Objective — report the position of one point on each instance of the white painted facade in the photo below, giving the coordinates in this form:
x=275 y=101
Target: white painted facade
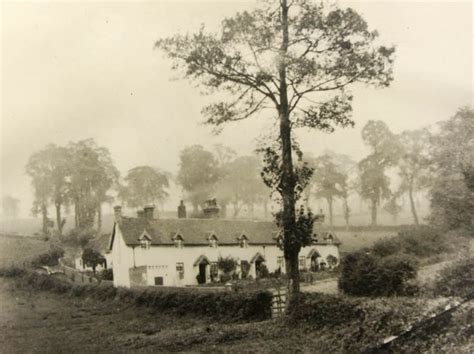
x=162 y=264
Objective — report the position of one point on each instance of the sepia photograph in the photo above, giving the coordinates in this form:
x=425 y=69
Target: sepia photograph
x=268 y=176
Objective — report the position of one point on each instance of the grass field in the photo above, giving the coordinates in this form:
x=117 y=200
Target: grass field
x=18 y=249
x=355 y=240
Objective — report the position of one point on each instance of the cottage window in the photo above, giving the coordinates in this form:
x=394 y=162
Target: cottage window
x=281 y=262
x=180 y=270
x=243 y=243
x=213 y=242
x=214 y=271
x=302 y=262
x=178 y=243
x=145 y=244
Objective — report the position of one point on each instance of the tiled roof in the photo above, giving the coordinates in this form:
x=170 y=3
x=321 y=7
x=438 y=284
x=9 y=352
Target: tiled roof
x=198 y=231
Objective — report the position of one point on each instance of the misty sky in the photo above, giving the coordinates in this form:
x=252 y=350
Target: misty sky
x=73 y=71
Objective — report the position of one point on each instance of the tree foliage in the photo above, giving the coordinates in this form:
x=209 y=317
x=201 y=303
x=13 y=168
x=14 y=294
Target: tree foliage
x=297 y=58
x=10 y=207
x=92 y=258
x=330 y=181
x=452 y=192
x=50 y=170
x=80 y=173
x=240 y=183
x=414 y=164
x=198 y=174
x=93 y=174
x=385 y=152
x=144 y=185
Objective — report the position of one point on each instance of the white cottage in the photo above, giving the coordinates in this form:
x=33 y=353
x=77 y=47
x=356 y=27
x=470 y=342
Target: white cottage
x=180 y=252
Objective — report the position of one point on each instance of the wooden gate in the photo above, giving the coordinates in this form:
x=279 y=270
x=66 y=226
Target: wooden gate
x=279 y=302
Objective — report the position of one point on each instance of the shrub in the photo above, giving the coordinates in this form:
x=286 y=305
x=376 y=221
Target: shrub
x=332 y=260
x=321 y=310
x=51 y=258
x=420 y=241
x=365 y=274
x=227 y=265
x=12 y=272
x=224 y=278
x=79 y=237
x=456 y=279
x=107 y=274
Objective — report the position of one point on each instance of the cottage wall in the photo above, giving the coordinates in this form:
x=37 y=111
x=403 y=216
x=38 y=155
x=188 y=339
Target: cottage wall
x=159 y=263
x=122 y=259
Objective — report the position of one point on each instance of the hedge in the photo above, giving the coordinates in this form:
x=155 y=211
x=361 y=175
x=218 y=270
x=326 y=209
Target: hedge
x=419 y=241
x=456 y=279
x=321 y=310
x=221 y=306
x=365 y=274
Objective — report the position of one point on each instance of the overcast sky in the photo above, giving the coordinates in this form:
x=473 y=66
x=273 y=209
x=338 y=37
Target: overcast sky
x=73 y=71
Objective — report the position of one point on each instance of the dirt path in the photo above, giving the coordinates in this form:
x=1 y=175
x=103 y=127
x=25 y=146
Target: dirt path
x=329 y=286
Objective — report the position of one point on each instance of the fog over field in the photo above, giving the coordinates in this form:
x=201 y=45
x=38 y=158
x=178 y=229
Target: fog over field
x=77 y=70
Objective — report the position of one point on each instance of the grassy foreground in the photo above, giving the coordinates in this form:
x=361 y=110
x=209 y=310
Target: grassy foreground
x=33 y=319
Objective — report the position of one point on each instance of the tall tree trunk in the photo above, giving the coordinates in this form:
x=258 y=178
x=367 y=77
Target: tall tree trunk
x=76 y=214
x=99 y=218
x=44 y=214
x=346 y=212
x=329 y=200
x=291 y=248
x=223 y=211
x=412 y=205
x=59 y=221
x=236 y=209
x=373 y=211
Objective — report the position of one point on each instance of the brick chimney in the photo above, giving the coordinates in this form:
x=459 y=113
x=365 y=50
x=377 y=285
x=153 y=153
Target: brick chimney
x=210 y=209
x=118 y=213
x=181 y=210
x=149 y=212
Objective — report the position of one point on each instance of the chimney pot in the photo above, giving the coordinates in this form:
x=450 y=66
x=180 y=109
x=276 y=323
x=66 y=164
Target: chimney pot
x=181 y=210
x=118 y=212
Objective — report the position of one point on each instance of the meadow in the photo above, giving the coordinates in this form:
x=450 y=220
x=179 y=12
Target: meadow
x=15 y=250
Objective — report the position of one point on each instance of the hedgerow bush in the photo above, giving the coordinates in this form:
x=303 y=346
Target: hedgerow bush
x=221 y=306
x=107 y=274
x=50 y=258
x=321 y=310
x=456 y=279
x=366 y=274
x=419 y=241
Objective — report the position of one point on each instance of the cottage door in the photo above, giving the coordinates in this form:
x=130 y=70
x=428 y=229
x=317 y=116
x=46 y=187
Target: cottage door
x=202 y=273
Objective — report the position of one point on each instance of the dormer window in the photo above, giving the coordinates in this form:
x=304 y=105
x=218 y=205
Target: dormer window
x=243 y=241
x=212 y=241
x=178 y=241
x=145 y=240
x=145 y=244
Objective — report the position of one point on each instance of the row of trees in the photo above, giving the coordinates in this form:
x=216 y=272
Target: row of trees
x=79 y=176
x=337 y=176
x=234 y=180
x=438 y=161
